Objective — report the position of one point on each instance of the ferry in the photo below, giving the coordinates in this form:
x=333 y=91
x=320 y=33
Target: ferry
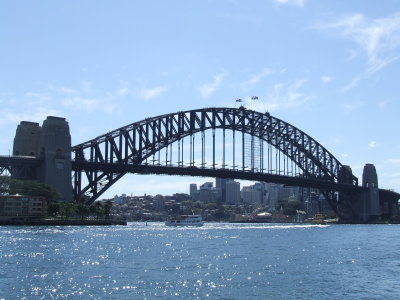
x=186 y=220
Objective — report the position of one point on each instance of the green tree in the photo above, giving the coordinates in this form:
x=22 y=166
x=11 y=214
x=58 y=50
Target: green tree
x=82 y=210
x=13 y=186
x=99 y=211
x=211 y=205
x=220 y=214
x=5 y=182
x=54 y=208
x=175 y=209
x=92 y=210
x=68 y=209
x=107 y=208
x=290 y=207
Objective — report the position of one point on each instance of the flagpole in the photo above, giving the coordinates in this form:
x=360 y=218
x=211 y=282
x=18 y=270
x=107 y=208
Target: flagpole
x=237 y=100
x=251 y=100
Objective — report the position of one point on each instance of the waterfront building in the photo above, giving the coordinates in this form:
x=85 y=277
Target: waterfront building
x=17 y=207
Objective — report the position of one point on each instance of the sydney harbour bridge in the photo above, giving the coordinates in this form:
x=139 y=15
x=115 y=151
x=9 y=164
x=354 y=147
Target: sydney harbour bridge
x=235 y=143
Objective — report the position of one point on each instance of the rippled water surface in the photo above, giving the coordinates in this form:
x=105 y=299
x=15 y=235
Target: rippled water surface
x=218 y=261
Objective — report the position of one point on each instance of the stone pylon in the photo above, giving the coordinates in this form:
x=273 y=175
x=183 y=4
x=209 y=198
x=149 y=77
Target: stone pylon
x=52 y=143
x=55 y=148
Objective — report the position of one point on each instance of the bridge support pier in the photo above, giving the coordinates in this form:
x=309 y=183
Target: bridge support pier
x=52 y=142
x=365 y=205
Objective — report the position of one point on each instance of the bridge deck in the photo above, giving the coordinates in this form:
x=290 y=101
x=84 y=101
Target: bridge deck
x=207 y=172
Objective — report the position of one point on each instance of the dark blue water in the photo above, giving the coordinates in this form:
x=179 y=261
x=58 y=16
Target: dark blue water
x=217 y=261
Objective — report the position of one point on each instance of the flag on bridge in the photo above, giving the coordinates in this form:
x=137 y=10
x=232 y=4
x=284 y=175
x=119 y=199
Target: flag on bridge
x=254 y=98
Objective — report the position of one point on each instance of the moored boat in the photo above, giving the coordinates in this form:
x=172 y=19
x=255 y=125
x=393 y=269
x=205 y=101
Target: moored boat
x=186 y=220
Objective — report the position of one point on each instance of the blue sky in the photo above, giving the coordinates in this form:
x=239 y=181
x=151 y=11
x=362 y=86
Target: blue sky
x=331 y=68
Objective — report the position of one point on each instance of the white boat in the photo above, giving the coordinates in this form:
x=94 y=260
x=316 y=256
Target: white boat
x=186 y=220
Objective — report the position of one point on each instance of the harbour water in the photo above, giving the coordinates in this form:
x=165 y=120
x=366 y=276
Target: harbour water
x=216 y=261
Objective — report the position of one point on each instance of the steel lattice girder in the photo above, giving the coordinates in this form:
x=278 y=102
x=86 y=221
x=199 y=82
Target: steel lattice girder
x=21 y=167
x=133 y=143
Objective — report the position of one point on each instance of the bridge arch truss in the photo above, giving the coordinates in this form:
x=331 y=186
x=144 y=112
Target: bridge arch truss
x=210 y=141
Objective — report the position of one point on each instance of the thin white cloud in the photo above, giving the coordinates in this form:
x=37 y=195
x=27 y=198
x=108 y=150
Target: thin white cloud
x=351 y=107
x=299 y=3
x=352 y=83
x=88 y=104
x=153 y=92
x=394 y=162
x=282 y=97
x=326 y=79
x=38 y=99
x=37 y=115
x=254 y=80
x=67 y=90
x=382 y=104
x=122 y=91
x=86 y=86
x=372 y=144
x=379 y=38
x=207 y=89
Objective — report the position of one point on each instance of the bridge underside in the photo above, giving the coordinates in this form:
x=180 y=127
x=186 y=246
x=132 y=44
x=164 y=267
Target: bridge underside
x=117 y=169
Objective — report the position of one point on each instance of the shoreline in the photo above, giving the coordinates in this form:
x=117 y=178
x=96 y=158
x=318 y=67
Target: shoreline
x=56 y=222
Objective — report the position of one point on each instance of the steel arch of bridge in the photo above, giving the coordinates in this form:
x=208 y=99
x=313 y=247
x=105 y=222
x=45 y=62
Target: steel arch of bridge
x=100 y=162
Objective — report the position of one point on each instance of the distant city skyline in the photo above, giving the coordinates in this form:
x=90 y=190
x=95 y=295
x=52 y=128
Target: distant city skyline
x=329 y=68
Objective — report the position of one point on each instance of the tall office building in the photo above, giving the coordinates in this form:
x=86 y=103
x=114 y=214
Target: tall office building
x=192 y=190
x=232 y=194
x=220 y=183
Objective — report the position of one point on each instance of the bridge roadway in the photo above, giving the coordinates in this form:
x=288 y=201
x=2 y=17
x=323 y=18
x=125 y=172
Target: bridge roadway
x=210 y=172
x=6 y=161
